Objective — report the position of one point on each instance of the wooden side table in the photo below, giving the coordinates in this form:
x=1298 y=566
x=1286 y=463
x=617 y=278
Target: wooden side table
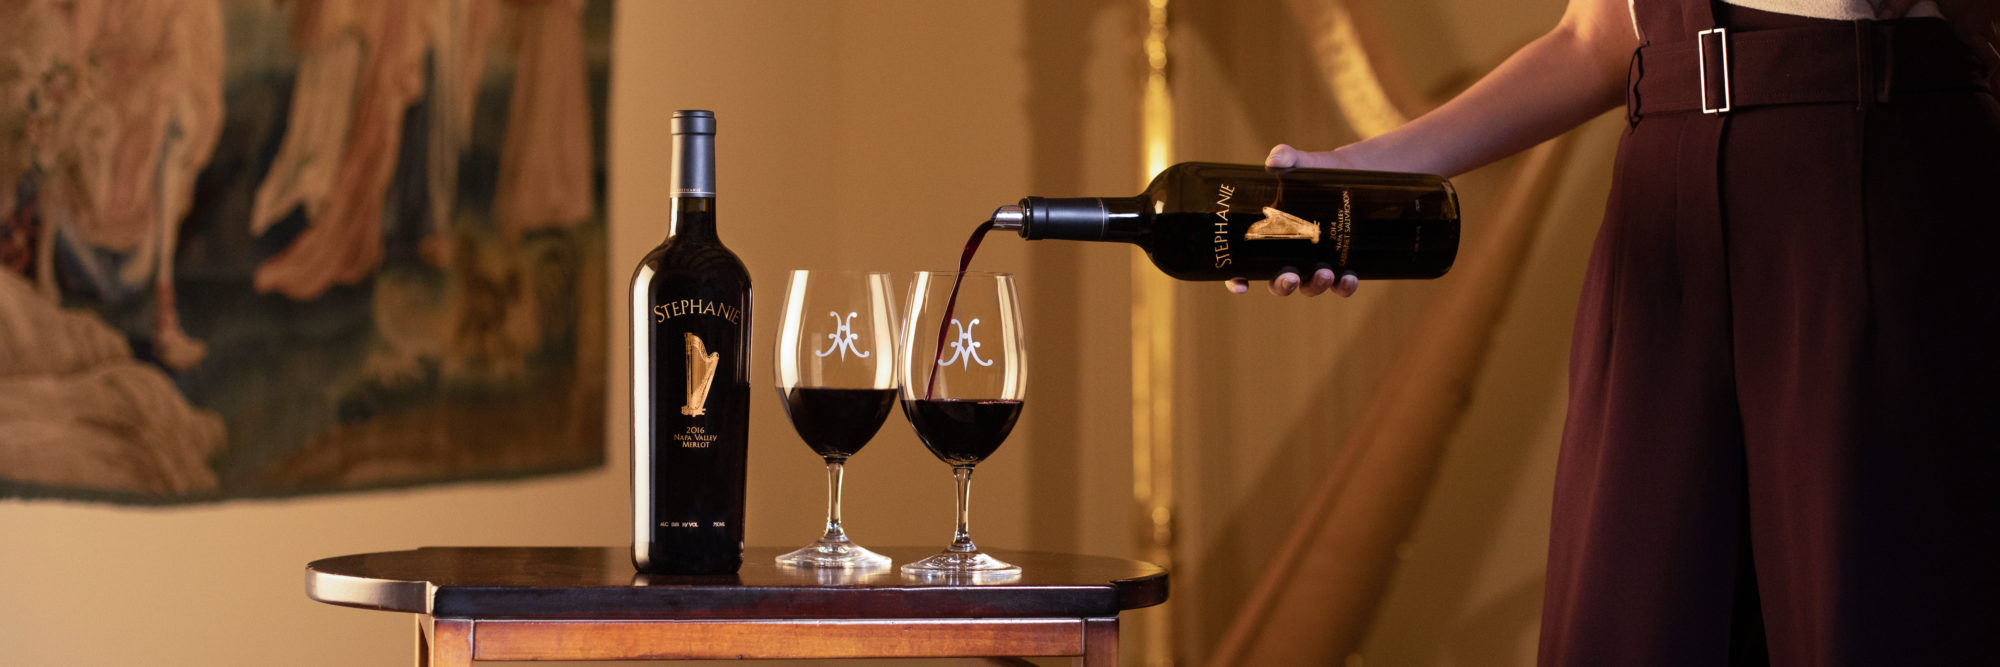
x=587 y=603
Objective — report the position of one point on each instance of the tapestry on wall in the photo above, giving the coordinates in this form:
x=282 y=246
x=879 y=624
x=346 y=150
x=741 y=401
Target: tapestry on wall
x=257 y=248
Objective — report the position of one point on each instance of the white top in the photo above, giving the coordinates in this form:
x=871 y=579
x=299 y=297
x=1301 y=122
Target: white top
x=1843 y=10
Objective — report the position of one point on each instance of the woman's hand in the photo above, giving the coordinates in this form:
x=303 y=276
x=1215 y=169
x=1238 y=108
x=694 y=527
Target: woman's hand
x=1324 y=280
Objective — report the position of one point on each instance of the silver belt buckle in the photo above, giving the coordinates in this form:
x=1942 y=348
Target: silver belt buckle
x=1701 y=63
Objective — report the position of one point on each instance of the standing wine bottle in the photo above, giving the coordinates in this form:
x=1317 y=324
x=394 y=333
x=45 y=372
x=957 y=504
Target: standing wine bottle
x=1207 y=221
x=690 y=378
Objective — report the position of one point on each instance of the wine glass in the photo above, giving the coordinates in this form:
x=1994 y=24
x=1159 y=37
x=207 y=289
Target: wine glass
x=836 y=375
x=964 y=373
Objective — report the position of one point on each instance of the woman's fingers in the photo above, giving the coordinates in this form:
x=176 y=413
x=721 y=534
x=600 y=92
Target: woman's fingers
x=1347 y=285
x=1322 y=280
x=1285 y=284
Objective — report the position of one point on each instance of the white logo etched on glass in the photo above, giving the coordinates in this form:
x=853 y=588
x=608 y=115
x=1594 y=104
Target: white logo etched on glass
x=843 y=338
x=965 y=350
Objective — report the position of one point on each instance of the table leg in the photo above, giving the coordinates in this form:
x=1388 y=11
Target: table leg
x=443 y=642
x=1100 y=642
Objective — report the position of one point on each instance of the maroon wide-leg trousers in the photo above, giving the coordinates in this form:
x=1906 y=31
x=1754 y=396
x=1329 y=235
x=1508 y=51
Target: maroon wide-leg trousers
x=1783 y=439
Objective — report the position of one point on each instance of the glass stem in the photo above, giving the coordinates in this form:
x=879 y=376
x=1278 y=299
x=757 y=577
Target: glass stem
x=835 y=469
x=961 y=538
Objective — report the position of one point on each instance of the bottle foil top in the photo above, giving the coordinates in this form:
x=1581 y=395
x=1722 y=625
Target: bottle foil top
x=694 y=121
x=694 y=153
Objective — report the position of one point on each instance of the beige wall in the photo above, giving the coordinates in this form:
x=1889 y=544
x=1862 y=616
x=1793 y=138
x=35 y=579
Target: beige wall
x=874 y=134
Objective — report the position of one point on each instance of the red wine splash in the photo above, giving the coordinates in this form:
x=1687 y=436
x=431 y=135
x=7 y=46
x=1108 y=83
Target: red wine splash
x=951 y=305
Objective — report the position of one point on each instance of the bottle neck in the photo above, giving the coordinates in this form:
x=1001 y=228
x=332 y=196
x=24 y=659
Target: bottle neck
x=693 y=179
x=692 y=218
x=1080 y=218
x=693 y=171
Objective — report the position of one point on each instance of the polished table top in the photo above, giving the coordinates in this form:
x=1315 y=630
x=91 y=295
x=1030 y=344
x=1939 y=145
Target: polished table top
x=557 y=583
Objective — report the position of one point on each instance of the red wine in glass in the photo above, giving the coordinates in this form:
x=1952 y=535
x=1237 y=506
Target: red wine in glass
x=838 y=422
x=962 y=432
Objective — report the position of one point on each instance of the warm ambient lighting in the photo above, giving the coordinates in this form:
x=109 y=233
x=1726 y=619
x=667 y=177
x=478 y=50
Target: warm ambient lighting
x=1152 y=351
x=1343 y=60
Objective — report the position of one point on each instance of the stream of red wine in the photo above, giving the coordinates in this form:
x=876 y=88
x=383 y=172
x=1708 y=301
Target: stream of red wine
x=951 y=305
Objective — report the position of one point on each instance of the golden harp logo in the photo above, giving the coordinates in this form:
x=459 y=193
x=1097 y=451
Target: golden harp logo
x=1281 y=225
x=700 y=374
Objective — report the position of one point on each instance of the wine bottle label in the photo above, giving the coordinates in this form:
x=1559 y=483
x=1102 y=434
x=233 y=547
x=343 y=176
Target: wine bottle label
x=1343 y=226
x=1224 y=193
x=1271 y=223
x=1279 y=225
x=679 y=307
x=706 y=331
x=693 y=403
x=700 y=372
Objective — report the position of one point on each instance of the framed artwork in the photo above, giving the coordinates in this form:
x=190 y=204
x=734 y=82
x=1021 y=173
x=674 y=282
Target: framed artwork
x=254 y=248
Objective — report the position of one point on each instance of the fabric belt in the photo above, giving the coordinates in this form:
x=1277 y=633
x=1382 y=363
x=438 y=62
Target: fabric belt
x=1860 y=62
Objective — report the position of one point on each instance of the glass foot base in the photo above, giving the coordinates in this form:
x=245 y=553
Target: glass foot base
x=955 y=561
x=834 y=554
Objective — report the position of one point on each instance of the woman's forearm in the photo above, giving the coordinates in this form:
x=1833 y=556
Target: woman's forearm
x=1561 y=79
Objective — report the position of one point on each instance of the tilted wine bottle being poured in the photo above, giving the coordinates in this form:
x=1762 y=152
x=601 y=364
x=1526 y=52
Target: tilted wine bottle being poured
x=1207 y=221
